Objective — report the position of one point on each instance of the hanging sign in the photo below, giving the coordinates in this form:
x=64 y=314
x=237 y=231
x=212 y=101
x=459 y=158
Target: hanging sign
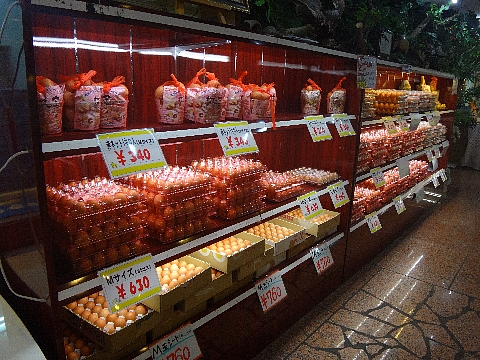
x=378 y=178
x=310 y=205
x=338 y=194
x=399 y=205
x=130 y=152
x=373 y=222
x=179 y=345
x=236 y=138
x=129 y=282
x=271 y=291
x=322 y=258
x=366 y=72
x=318 y=128
x=343 y=125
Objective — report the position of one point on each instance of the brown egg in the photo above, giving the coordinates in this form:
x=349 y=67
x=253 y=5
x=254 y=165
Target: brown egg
x=103 y=313
x=83 y=300
x=79 y=343
x=68 y=349
x=131 y=315
x=122 y=312
x=85 y=350
x=72 y=305
x=89 y=305
x=93 y=317
x=100 y=299
x=85 y=314
x=111 y=318
x=100 y=323
x=141 y=310
x=120 y=322
x=73 y=356
x=79 y=309
x=109 y=328
x=97 y=309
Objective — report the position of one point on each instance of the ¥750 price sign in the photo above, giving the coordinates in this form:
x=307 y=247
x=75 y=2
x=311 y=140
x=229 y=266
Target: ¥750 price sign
x=179 y=345
x=322 y=258
x=132 y=151
x=310 y=205
x=130 y=282
x=318 y=128
x=271 y=291
x=236 y=138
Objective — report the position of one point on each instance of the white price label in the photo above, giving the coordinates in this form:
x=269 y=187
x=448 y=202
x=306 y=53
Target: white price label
x=433 y=164
x=338 y=194
x=399 y=205
x=435 y=181
x=318 y=128
x=310 y=205
x=433 y=117
x=429 y=153
x=373 y=222
x=236 y=138
x=403 y=165
x=415 y=121
x=271 y=291
x=130 y=152
x=390 y=126
x=445 y=145
x=179 y=345
x=378 y=178
x=402 y=123
x=366 y=72
x=322 y=258
x=343 y=125
x=443 y=175
x=129 y=282
x=436 y=151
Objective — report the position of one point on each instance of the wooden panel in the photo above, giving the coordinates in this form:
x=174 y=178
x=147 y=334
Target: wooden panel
x=94 y=165
x=222 y=70
x=189 y=151
x=249 y=57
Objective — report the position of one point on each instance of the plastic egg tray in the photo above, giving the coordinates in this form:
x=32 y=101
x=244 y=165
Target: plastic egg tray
x=281 y=186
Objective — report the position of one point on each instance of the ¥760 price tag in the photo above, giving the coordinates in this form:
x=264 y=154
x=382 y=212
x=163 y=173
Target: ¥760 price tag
x=378 y=178
x=179 y=345
x=130 y=282
x=373 y=222
x=399 y=205
x=338 y=194
x=343 y=125
x=271 y=291
x=318 y=128
x=236 y=138
x=322 y=258
x=131 y=151
x=310 y=205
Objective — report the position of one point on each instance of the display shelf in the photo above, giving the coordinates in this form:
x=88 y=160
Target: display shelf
x=366 y=123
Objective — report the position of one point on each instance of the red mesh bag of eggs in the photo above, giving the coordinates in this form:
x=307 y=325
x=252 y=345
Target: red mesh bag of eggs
x=170 y=101
x=192 y=88
x=311 y=96
x=113 y=110
x=210 y=101
x=50 y=105
x=235 y=91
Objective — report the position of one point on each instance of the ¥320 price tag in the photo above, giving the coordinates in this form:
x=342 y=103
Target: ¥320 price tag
x=310 y=205
x=131 y=151
x=318 y=128
x=373 y=222
x=378 y=178
x=402 y=122
x=343 y=125
x=322 y=258
x=338 y=194
x=271 y=291
x=236 y=138
x=179 y=345
x=130 y=282
x=399 y=205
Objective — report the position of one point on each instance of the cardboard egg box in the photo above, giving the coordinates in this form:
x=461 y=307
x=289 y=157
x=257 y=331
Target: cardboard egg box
x=318 y=230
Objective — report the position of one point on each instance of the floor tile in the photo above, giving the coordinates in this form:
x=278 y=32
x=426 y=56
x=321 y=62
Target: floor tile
x=306 y=352
x=360 y=323
x=461 y=328
x=410 y=336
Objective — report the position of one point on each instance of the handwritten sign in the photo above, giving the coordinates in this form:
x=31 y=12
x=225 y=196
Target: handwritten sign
x=310 y=205
x=343 y=125
x=322 y=258
x=399 y=205
x=318 y=128
x=129 y=282
x=373 y=222
x=402 y=122
x=131 y=151
x=390 y=126
x=338 y=194
x=377 y=177
x=271 y=291
x=236 y=138
x=366 y=72
x=179 y=345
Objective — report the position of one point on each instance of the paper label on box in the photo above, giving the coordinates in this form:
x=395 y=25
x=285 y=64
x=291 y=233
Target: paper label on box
x=130 y=282
x=366 y=72
x=343 y=125
x=338 y=194
x=271 y=291
x=322 y=258
x=318 y=128
x=403 y=165
x=181 y=344
x=298 y=238
x=377 y=177
x=236 y=138
x=130 y=152
x=399 y=205
x=373 y=222
x=310 y=205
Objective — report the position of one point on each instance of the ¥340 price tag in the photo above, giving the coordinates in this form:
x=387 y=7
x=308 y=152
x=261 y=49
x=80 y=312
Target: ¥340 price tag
x=310 y=205
x=373 y=222
x=236 y=138
x=131 y=151
x=338 y=194
x=179 y=345
x=399 y=205
x=271 y=291
x=343 y=125
x=378 y=178
x=318 y=128
x=322 y=258
x=130 y=282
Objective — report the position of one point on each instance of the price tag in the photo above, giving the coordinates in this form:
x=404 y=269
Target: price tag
x=436 y=151
x=271 y=291
x=343 y=125
x=429 y=153
x=236 y=138
x=445 y=145
x=373 y=222
x=443 y=175
x=318 y=128
x=403 y=165
x=390 y=126
x=366 y=72
x=338 y=194
x=131 y=151
x=415 y=121
x=402 y=123
x=433 y=161
x=179 y=345
x=399 y=205
x=435 y=181
x=433 y=118
x=378 y=178
x=322 y=258
x=310 y=205
x=130 y=282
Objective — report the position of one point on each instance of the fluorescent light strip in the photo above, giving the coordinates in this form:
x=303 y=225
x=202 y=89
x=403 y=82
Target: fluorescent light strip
x=203 y=56
x=66 y=43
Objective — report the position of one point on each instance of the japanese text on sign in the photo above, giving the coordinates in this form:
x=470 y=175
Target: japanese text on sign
x=399 y=205
x=271 y=291
x=390 y=126
x=322 y=258
x=179 y=345
x=130 y=282
x=338 y=194
x=366 y=72
x=318 y=128
x=310 y=205
x=378 y=178
x=402 y=122
x=373 y=222
x=130 y=152
x=343 y=125
x=236 y=138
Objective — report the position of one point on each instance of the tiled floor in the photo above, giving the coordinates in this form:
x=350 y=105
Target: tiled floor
x=420 y=299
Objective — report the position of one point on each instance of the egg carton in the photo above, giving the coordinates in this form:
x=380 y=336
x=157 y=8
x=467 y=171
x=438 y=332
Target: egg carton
x=180 y=231
x=284 y=192
x=229 y=212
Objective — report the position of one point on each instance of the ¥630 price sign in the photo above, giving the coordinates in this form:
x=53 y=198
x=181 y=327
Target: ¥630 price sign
x=271 y=291
x=343 y=125
x=373 y=222
x=338 y=194
x=130 y=282
x=318 y=128
x=310 y=205
x=179 y=345
x=131 y=151
x=322 y=258
x=236 y=138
